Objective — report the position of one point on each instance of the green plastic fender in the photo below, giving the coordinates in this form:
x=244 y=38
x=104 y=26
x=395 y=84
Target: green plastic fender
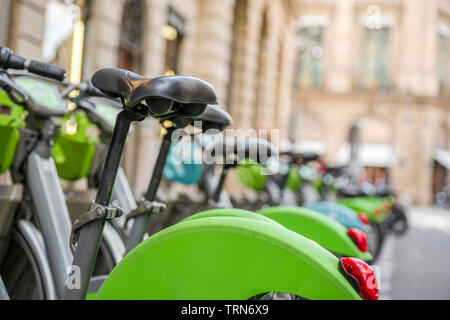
x=239 y=213
x=365 y=204
x=226 y=258
x=327 y=232
x=382 y=202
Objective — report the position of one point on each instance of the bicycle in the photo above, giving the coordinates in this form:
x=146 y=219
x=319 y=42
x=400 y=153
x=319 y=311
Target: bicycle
x=206 y=261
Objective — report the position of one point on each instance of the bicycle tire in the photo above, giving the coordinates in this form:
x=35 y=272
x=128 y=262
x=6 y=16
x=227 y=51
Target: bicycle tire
x=20 y=271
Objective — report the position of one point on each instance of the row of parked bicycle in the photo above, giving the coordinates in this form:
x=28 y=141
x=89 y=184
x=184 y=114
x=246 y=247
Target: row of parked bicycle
x=309 y=234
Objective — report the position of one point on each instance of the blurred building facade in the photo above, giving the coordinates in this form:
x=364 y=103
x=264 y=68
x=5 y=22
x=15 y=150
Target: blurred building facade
x=385 y=64
x=244 y=48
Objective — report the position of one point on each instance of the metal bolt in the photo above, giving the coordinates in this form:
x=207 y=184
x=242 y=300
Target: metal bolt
x=99 y=212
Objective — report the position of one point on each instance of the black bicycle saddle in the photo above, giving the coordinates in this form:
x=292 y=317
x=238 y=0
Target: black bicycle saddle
x=184 y=96
x=213 y=118
x=351 y=191
x=308 y=156
x=259 y=150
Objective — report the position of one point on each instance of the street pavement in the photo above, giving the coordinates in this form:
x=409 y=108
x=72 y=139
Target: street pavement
x=417 y=264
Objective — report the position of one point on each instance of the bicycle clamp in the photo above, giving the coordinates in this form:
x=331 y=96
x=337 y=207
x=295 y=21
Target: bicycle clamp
x=211 y=204
x=143 y=207
x=97 y=212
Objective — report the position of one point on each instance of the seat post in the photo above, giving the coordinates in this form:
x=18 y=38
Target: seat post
x=141 y=222
x=221 y=183
x=90 y=235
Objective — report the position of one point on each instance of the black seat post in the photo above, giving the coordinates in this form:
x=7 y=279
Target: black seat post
x=221 y=183
x=141 y=222
x=90 y=235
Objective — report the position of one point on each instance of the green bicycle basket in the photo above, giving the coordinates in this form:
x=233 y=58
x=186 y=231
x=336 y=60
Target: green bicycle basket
x=11 y=119
x=294 y=180
x=74 y=150
x=249 y=174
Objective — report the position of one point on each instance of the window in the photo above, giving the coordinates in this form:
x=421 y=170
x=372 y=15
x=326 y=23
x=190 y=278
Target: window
x=173 y=33
x=375 y=58
x=130 y=51
x=310 y=57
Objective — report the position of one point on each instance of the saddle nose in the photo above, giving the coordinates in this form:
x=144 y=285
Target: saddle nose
x=213 y=118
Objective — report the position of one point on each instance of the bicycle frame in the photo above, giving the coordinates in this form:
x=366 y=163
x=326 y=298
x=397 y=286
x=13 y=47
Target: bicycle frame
x=141 y=222
x=91 y=234
x=50 y=243
x=54 y=220
x=51 y=213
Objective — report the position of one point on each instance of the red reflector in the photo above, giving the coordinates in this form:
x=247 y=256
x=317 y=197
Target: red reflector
x=359 y=238
x=364 y=218
x=364 y=275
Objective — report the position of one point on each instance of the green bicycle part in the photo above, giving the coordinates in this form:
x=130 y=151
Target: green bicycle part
x=42 y=92
x=327 y=232
x=368 y=205
x=226 y=258
x=321 y=181
x=74 y=152
x=317 y=183
x=249 y=174
x=11 y=119
x=390 y=200
x=239 y=213
x=381 y=201
x=294 y=180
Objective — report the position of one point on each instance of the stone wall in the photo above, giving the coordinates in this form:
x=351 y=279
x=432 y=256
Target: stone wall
x=26 y=27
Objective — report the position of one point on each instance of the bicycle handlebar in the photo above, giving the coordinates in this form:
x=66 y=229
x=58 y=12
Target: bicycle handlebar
x=10 y=60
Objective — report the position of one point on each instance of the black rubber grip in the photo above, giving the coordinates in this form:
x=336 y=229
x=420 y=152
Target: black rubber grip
x=46 y=70
x=10 y=60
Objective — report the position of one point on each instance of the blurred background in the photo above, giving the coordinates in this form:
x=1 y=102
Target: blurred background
x=310 y=68
x=314 y=69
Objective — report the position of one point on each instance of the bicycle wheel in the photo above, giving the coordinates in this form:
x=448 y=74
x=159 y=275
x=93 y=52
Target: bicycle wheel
x=104 y=262
x=399 y=222
x=375 y=239
x=20 y=271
